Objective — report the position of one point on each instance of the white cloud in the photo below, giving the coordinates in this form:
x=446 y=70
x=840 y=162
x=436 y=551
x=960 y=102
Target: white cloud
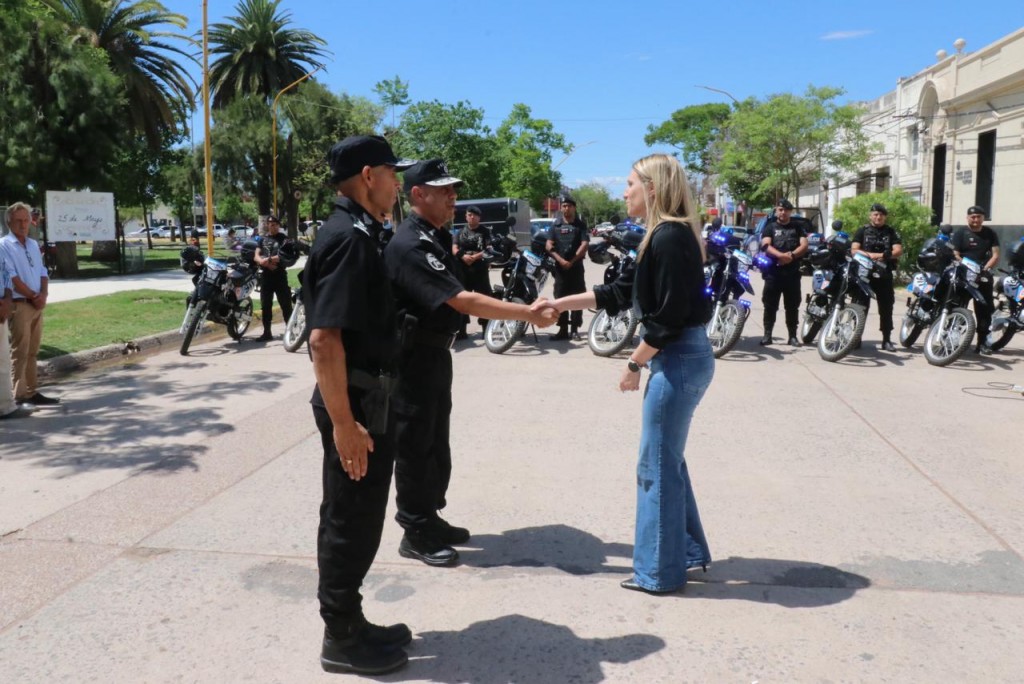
x=845 y=35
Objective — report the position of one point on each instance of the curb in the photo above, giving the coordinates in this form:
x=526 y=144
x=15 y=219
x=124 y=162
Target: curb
x=70 y=363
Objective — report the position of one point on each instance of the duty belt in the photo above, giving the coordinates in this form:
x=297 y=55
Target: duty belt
x=429 y=338
x=364 y=380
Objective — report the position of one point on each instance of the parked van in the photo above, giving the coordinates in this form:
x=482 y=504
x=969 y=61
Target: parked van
x=496 y=213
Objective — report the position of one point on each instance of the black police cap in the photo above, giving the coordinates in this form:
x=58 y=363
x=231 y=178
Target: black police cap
x=567 y=199
x=784 y=204
x=430 y=172
x=473 y=209
x=975 y=210
x=272 y=219
x=880 y=208
x=348 y=157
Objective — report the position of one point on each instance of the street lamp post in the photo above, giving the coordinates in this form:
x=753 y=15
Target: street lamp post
x=571 y=152
x=273 y=133
x=723 y=92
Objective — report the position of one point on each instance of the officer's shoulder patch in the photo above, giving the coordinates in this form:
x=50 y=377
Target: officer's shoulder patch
x=435 y=263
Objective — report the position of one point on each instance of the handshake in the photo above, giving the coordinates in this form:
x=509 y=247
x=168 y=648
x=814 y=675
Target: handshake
x=543 y=313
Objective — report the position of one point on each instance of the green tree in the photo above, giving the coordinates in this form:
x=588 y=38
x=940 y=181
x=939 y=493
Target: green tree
x=457 y=134
x=694 y=132
x=242 y=152
x=60 y=120
x=525 y=145
x=910 y=218
x=595 y=204
x=393 y=93
x=157 y=89
x=137 y=177
x=314 y=119
x=182 y=178
x=257 y=53
x=777 y=146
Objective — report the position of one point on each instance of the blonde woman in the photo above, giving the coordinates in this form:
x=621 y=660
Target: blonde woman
x=669 y=291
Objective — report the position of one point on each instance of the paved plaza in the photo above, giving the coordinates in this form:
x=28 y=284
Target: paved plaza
x=864 y=518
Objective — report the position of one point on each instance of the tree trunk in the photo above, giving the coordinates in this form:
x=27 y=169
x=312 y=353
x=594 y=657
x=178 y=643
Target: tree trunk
x=67 y=260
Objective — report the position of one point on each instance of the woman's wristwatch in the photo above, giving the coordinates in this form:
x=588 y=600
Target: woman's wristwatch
x=633 y=366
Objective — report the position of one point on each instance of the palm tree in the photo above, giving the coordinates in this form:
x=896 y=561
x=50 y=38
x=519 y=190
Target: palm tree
x=256 y=54
x=158 y=90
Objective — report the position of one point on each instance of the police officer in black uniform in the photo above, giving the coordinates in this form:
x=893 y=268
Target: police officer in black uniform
x=431 y=302
x=979 y=243
x=353 y=342
x=785 y=240
x=883 y=244
x=469 y=256
x=273 y=276
x=568 y=240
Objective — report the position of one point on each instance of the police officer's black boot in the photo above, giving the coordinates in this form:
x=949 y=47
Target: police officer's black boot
x=428 y=549
x=794 y=341
x=767 y=339
x=365 y=649
x=563 y=334
x=887 y=344
x=574 y=332
x=461 y=335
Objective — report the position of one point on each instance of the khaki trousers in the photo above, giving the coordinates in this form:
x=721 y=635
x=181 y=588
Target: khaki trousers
x=26 y=326
x=6 y=384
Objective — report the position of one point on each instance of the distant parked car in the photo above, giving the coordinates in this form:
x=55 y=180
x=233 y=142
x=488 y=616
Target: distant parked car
x=219 y=230
x=155 y=231
x=242 y=231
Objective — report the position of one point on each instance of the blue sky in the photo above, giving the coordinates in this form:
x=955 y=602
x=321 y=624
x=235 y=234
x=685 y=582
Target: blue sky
x=602 y=72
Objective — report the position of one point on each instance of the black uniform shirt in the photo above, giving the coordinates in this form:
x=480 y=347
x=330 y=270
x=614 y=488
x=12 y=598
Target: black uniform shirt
x=975 y=246
x=345 y=287
x=568 y=236
x=473 y=242
x=270 y=246
x=421 y=272
x=669 y=285
x=878 y=239
x=785 y=238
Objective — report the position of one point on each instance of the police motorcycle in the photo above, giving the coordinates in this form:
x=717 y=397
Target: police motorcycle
x=1010 y=303
x=922 y=307
x=952 y=325
x=222 y=293
x=726 y=279
x=609 y=334
x=295 y=331
x=523 y=277
x=837 y=278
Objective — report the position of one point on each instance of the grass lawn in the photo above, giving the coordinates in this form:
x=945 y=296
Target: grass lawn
x=162 y=257
x=93 y=322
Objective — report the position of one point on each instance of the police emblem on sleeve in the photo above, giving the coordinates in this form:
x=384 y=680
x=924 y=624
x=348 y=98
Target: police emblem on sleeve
x=435 y=263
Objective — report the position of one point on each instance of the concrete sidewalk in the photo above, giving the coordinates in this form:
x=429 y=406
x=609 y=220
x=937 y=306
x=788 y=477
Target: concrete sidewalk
x=864 y=519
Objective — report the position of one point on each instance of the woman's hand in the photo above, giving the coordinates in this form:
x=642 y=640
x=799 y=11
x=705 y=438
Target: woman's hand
x=630 y=381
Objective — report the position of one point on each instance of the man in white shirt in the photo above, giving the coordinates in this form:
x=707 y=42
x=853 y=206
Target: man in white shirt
x=29 y=282
x=8 y=407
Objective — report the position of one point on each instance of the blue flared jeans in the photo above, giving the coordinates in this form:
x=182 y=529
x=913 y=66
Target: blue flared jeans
x=669 y=535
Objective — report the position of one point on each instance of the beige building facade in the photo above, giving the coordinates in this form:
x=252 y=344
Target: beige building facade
x=952 y=136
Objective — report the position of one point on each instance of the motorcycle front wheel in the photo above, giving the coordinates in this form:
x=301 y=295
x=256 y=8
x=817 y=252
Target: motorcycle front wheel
x=295 y=332
x=949 y=338
x=809 y=328
x=239 y=323
x=499 y=336
x=842 y=332
x=910 y=330
x=725 y=327
x=608 y=335
x=1001 y=334
x=197 y=320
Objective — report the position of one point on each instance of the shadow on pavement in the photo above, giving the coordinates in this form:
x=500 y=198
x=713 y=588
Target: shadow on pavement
x=551 y=546
x=109 y=420
x=516 y=648
x=787 y=583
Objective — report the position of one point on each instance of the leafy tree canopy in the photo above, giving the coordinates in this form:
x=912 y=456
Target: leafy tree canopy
x=693 y=131
x=910 y=218
x=595 y=204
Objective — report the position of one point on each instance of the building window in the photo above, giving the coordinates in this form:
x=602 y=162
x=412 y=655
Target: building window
x=986 y=171
x=882 y=179
x=915 y=147
x=864 y=184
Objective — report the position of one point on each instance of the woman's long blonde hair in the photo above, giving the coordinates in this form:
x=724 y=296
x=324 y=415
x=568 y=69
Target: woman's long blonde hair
x=671 y=199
